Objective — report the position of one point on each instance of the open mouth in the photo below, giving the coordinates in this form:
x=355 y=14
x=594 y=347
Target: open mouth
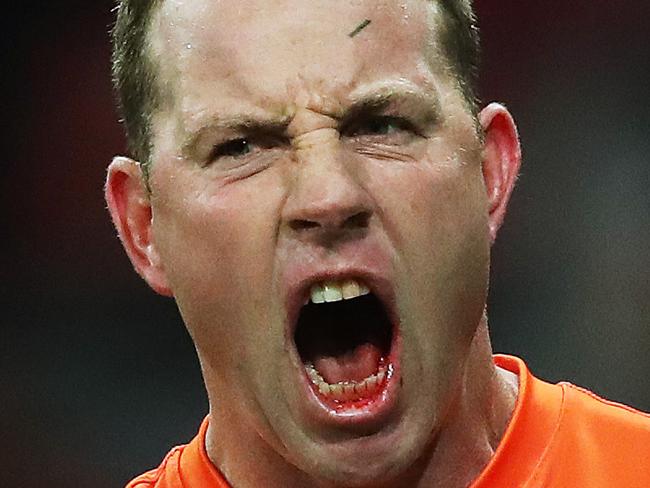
x=344 y=336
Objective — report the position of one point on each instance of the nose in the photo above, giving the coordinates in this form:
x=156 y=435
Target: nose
x=327 y=200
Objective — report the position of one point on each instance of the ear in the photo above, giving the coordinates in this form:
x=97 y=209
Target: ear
x=501 y=161
x=130 y=207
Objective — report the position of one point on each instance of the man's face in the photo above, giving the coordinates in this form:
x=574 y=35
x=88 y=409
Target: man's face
x=293 y=156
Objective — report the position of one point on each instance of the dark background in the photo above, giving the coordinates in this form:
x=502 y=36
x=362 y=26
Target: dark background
x=98 y=377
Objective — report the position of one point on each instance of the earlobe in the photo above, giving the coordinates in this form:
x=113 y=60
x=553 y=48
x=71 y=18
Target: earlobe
x=501 y=161
x=130 y=208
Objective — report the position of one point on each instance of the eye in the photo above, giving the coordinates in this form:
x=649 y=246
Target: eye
x=380 y=126
x=233 y=148
x=246 y=155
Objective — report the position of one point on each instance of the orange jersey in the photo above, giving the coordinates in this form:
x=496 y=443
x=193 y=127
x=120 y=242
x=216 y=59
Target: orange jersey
x=559 y=436
x=184 y=467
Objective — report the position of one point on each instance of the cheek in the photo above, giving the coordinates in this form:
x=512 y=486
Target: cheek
x=216 y=245
x=432 y=209
x=438 y=221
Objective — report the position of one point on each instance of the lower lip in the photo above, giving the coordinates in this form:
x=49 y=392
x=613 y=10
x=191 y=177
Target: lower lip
x=364 y=412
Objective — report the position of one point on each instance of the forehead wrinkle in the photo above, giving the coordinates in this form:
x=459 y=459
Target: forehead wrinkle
x=319 y=95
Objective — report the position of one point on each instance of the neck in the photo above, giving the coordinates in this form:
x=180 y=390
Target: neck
x=475 y=422
x=463 y=445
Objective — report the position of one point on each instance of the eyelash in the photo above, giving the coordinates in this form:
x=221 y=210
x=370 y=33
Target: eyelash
x=231 y=148
x=360 y=128
x=239 y=148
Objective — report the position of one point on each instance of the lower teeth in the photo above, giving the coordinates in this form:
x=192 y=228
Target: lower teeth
x=348 y=390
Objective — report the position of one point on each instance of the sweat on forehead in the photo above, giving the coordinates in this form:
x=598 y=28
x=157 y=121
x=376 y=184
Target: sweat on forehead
x=233 y=49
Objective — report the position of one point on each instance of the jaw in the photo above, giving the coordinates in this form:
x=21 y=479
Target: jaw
x=394 y=452
x=309 y=437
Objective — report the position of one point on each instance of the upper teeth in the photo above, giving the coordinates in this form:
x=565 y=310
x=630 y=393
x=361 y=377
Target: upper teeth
x=335 y=291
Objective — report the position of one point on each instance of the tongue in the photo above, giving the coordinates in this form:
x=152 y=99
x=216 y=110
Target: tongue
x=354 y=365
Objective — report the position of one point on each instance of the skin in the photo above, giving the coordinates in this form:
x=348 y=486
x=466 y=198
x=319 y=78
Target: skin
x=418 y=200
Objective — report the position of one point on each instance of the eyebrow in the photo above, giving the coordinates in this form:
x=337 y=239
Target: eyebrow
x=413 y=98
x=368 y=100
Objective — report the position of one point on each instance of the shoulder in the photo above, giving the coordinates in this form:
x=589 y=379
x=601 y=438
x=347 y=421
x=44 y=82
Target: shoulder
x=594 y=442
x=164 y=476
x=598 y=443
x=584 y=407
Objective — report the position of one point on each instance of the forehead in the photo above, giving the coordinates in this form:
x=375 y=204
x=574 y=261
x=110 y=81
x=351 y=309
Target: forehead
x=255 y=53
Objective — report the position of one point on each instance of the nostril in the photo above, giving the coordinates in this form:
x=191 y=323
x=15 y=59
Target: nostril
x=359 y=220
x=303 y=224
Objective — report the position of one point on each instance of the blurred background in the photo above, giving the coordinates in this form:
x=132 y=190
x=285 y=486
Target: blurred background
x=98 y=378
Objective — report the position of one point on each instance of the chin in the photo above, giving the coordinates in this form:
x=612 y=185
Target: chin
x=344 y=457
x=358 y=463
